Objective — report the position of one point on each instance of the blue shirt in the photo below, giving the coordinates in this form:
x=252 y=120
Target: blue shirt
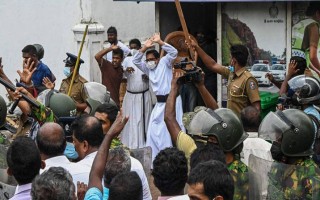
x=105 y=193
x=41 y=72
x=93 y=194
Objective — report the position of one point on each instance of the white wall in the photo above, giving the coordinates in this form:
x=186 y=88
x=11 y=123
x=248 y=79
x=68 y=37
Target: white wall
x=50 y=23
x=45 y=22
x=132 y=20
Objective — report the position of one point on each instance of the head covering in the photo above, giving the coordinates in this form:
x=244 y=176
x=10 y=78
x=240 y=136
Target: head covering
x=71 y=60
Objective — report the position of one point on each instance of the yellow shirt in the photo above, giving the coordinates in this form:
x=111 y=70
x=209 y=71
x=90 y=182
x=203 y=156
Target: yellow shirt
x=186 y=144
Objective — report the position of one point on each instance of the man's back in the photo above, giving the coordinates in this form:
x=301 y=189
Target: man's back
x=77 y=171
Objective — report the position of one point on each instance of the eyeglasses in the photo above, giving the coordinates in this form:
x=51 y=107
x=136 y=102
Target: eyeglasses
x=150 y=59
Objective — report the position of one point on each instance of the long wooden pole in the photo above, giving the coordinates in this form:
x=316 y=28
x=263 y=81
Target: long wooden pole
x=78 y=60
x=184 y=27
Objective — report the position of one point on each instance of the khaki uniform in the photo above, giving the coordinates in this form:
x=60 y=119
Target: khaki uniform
x=77 y=93
x=243 y=89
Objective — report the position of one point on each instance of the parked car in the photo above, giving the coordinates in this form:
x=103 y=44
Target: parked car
x=259 y=71
x=278 y=71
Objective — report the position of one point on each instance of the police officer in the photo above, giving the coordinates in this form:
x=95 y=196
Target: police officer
x=242 y=86
x=294 y=174
x=305 y=37
x=77 y=93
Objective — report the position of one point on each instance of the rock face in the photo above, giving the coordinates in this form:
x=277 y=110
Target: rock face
x=236 y=32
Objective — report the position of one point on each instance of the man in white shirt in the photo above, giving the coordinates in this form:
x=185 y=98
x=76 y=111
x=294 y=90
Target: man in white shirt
x=159 y=71
x=113 y=40
x=51 y=143
x=137 y=103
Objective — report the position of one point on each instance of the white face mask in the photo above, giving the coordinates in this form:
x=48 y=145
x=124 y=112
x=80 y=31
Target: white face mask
x=134 y=51
x=151 y=64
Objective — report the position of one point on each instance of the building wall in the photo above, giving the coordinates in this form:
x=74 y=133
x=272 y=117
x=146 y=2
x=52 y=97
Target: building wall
x=50 y=23
x=131 y=19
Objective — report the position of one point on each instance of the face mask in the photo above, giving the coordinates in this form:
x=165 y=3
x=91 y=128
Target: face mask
x=66 y=71
x=276 y=152
x=151 y=64
x=231 y=68
x=70 y=151
x=133 y=51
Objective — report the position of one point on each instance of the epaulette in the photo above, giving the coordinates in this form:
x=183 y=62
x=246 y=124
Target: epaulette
x=82 y=80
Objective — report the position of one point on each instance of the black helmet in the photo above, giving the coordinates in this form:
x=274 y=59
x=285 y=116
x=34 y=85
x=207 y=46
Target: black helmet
x=61 y=104
x=222 y=123
x=3 y=111
x=292 y=128
x=307 y=89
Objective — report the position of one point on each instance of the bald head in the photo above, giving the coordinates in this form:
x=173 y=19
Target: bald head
x=51 y=139
x=88 y=128
x=250 y=117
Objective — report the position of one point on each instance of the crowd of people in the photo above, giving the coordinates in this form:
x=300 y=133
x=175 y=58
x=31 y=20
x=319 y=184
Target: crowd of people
x=79 y=144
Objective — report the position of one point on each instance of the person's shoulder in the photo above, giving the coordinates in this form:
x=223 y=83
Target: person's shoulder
x=247 y=74
x=135 y=164
x=93 y=193
x=82 y=80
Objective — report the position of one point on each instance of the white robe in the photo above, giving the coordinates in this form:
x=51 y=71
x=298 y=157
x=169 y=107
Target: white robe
x=135 y=106
x=158 y=136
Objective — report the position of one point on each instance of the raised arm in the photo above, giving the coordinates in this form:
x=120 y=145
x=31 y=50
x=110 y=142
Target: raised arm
x=99 y=163
x=209 y=62
x=103 y=52
x=170 y=110
x=171 y=51
x=291 y=71
x=205 y=94
x=137 y=59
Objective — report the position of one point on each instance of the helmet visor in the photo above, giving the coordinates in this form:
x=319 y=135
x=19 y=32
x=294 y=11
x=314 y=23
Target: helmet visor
x=297 y=82
x=97 y=91
x=201 y=123
x=42 y=97
x=272 y=127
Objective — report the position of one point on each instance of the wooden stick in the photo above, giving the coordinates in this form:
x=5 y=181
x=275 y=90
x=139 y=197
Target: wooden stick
x=184 y=27
x=78 y=60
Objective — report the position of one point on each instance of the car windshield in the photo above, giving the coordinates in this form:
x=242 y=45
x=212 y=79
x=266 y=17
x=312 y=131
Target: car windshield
x=262 y=68
x=277 y=67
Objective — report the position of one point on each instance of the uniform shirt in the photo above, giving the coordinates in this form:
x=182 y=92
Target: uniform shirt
x=237 y=169
x=111 y=78
x=240 y=175
x=243 y=89
x=77 y=93
x=297 y=181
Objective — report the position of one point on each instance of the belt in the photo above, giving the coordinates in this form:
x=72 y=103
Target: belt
x=162 y=98
x=142 y=92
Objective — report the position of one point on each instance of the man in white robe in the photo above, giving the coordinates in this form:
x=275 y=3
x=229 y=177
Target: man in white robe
x=160 y=75
x=137 y=103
